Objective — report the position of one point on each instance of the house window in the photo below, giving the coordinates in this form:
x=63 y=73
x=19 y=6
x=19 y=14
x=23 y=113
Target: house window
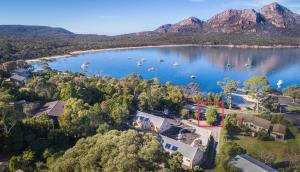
x=174 y=148
x=168 y=146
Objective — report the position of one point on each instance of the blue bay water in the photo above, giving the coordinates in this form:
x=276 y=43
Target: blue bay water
x=208 y=64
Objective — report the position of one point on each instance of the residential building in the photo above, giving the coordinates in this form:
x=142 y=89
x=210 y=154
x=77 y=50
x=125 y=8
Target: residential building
x=146 y=121
x=192 y=155
x=278 y=132
x=245 y=163
x=53 y=109
x=176 y=136
x=17 y=79
x=254 y=123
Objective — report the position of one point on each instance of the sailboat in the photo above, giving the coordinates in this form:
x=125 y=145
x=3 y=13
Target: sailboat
x=176 y=64
x=84 y=66
x=139 y=63
x=151 y=69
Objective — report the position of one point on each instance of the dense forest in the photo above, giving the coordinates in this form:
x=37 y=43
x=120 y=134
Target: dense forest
x=21 y=42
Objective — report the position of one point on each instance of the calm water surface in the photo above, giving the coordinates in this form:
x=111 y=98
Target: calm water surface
x=208 y=65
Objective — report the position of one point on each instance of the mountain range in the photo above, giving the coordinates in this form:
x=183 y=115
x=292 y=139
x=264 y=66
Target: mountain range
x=272 y=25
x=270 y=19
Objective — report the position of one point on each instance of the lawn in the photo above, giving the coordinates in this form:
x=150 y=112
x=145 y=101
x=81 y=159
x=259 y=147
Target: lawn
x=254 y=146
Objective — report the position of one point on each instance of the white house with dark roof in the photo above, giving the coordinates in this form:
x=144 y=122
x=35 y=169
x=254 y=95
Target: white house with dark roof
x=146 y=121
x=169 y=131
x=245 y=163
x=192 y=155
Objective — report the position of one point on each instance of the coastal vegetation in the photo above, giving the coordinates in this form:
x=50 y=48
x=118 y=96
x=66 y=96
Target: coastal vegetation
x=96 y=117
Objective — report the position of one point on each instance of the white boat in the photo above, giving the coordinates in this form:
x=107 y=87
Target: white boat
x=193 y=77
x=139 y=63
x=151 y=69
x=143 y=60
x=228 y=64
x=84 y=66
x=279 y=83
x=176 y=64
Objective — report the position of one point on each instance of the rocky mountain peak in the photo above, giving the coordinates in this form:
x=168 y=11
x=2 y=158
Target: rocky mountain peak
x=190 y=21
x=280 y=16
x=235 y=20
x=191 y=24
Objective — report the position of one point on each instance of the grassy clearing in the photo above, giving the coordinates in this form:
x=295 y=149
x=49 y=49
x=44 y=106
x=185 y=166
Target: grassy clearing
x=278 y=149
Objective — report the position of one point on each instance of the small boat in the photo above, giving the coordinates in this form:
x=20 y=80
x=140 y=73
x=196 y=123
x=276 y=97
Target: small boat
x=143 y=60
x=193 y=77
x=139 y=63
x=228 y=64
x=247 y=65
x=129 y=58
x=279 y=83
x=151 y=69
x=84 y=66
x=161 y=60
x=176 y=64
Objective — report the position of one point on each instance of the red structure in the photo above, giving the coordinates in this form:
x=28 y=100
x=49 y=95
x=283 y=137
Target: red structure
x=203 y=103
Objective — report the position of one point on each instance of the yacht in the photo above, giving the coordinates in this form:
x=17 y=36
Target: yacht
x=139 y=63
x=193 y=77
x=151 y=69
x=176 y=64
x=84 y=66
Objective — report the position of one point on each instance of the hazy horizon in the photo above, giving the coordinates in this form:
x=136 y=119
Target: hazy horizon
x=119 y=17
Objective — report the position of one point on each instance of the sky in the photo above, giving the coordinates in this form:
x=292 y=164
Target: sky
x=113 y=17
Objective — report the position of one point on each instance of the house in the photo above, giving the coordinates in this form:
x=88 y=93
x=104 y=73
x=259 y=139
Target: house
x=53 y=109
x=192 y=155
x=245 y=163
x=22 y=72
x=278 y=132
x=17 y=79
x=176 y=136
x=146 y=121
x=254 y=123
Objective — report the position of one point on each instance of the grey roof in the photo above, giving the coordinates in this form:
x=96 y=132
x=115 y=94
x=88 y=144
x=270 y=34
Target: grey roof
x=255 y=120
x=279 y=128
x=156 y=120
x=248 y=164
x=54 y=109
x=185 y=149
x=18 y=77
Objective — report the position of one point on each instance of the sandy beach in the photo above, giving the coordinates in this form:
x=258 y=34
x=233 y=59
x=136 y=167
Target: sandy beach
x=154 y=46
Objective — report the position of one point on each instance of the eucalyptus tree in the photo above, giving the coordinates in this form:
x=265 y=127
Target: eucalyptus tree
x=229 y=86
x=257 y=85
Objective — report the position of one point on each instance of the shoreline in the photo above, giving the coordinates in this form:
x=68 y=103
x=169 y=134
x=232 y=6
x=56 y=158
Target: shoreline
x=74 y=53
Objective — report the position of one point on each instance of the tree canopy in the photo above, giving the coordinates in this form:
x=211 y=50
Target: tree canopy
x=113 y=151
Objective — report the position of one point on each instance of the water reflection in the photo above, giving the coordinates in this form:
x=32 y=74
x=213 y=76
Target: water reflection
x=262 y=61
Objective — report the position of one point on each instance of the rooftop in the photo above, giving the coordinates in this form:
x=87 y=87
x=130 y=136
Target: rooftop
x=54 y=109
x=185 y=149
x=18 y=77
x=183 y=134
x=246 y=163
x=255 y=120
x=279 y=128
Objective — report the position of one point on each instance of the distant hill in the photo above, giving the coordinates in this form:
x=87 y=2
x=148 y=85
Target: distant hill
x=191 y=24
x=31 y=31
x=270 y=19
x=272 y=25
